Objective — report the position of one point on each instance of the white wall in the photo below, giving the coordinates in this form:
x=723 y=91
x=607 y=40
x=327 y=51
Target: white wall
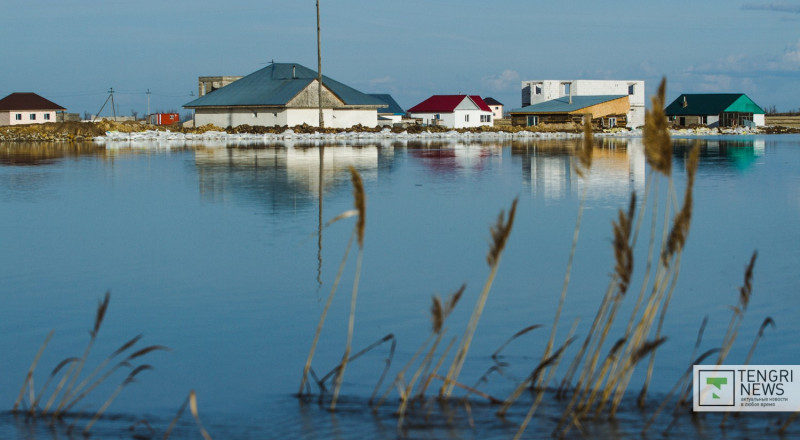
x=553 y=89
x=338 y=118
x=759 y=120
x=9 y=118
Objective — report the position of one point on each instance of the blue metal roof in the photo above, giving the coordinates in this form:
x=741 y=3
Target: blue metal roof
x=393 y=109
x=276 y=85
x=562 y=105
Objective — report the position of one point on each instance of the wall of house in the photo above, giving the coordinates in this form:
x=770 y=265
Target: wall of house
x=339 y=118
x=497 y=111
x=457 y=119
x=553 y=89
x=40 y=117
x=759 y=119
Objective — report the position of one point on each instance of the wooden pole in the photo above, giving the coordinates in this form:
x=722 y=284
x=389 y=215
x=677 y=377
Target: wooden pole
x=319 y=73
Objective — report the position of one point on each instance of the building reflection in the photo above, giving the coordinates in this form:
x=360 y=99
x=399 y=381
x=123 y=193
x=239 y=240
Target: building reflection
x=721 y=155
x=618 y=167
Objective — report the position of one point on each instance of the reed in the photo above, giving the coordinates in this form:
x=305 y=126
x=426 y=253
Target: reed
x=191 y=402
x=500 y=233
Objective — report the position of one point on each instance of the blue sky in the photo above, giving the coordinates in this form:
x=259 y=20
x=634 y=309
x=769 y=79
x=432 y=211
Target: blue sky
x=73 y=51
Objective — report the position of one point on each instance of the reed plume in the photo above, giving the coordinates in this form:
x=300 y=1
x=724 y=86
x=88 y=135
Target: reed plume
x=657 y=143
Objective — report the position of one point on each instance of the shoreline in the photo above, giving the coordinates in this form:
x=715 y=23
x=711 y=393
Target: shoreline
x=112 y=133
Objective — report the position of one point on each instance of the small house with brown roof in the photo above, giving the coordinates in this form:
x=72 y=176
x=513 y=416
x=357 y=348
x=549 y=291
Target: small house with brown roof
x=454 y=111
x=27 y=108
x=496 y=106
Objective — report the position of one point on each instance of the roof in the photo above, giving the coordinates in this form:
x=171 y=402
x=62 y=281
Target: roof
x=447 y=104
x=563 y=105
x=276 y=85
x=492 y=101
x=712 y=104
x=27 y=101
x=393 y=109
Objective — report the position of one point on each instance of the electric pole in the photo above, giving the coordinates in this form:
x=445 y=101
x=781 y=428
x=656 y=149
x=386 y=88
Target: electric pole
x=319 y=73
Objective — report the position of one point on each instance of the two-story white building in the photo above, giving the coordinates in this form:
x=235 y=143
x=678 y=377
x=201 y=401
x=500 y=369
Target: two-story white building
x=27 y=108
x=454 y=111
x=539 y=91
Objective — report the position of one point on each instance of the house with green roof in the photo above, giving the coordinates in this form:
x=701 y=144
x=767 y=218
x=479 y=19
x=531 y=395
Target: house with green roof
x=715 y=110
x=392 y=113
x=285 y=94
x=606 y=111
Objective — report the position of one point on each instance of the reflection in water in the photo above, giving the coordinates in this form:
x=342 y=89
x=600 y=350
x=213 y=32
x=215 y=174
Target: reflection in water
x=722 y=154
x=618 y=167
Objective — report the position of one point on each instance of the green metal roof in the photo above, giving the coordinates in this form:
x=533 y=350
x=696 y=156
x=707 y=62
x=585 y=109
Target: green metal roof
x=711 y=104
x=562 y=105
x=276 y=85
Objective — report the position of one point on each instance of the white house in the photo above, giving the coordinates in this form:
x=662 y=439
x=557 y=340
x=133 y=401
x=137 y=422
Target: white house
x=539 y=91
x=27 y=108
x=454 y=111
x=285 y=94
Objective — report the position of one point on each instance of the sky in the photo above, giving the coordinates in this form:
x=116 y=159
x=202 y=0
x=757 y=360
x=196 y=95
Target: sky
x=74 y=51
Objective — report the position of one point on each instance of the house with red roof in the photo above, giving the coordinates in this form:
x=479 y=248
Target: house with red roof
x=27 y=108
x=454 y=111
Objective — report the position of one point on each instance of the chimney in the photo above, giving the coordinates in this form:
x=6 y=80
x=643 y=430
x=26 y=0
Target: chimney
x=570 y=93
x=294 y=72
x=684 y=104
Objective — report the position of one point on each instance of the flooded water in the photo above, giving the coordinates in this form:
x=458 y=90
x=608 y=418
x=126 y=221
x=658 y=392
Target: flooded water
x=218 y=254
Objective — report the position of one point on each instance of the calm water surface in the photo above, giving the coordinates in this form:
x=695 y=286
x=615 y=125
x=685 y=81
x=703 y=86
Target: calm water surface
x=216 y=253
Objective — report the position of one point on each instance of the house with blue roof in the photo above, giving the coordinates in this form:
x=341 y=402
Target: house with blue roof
x=285 y=94
x=715 y=110
x=606 y=111
x=392 y=113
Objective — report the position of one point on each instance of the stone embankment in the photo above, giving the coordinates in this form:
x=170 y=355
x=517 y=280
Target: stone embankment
x=108 y=132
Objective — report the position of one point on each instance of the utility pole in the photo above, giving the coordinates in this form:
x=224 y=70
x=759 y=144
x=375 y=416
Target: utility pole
x=319 y=73
x=148 y=105
x=113 y=109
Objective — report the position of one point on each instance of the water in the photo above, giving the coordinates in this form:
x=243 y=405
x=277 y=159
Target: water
x=216 y=253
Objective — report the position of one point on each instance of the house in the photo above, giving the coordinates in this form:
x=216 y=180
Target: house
x=27 y=108
x=715 y=110
x=392 y=113
x=285 y=94
x=454 y=111
x=496 y=106
x=539 y=91
x=607 y=111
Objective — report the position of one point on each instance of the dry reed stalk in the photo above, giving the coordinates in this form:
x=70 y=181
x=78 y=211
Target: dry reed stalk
x=191 y=402
x=360 y=203
x=745 y=292
x=657 y=143
x=128 y=380
x=767 y=322
x=500 y=233
x=324 y=314
x=515 y=336
x=28 y=383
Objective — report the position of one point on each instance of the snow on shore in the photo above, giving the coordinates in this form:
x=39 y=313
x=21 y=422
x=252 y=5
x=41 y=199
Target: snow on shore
x=221 y=139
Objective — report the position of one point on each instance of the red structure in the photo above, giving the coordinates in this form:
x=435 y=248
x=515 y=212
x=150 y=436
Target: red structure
x=165 y=118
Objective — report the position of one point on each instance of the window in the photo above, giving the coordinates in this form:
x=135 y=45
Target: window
x=437 y=116
x=47 y=116
x=18 y=116
x=612 y=122
x=486 y=118
x=567 y=88
x=704 y=119
x=466 y=118
x=32 y=116
x=538 y=89
x=533 y=121
x=631 y=89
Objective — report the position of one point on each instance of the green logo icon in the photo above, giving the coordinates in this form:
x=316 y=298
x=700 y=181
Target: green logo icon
x=716 y=382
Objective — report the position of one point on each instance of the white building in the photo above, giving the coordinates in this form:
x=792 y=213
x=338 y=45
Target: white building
x=27 y=108
x=285 y=94
x=454 y=111
x=538 y=91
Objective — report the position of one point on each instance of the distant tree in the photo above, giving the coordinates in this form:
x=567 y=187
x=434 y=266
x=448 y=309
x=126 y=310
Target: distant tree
x=87 y=116
x=135 y=114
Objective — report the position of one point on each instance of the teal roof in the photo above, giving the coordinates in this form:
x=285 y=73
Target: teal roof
x=276 y=85
x=712 y=104
x=562 y=105
x=393 y=109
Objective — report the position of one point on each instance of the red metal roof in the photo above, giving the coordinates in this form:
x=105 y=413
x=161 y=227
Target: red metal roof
x=446 y=104
x=27 y=101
